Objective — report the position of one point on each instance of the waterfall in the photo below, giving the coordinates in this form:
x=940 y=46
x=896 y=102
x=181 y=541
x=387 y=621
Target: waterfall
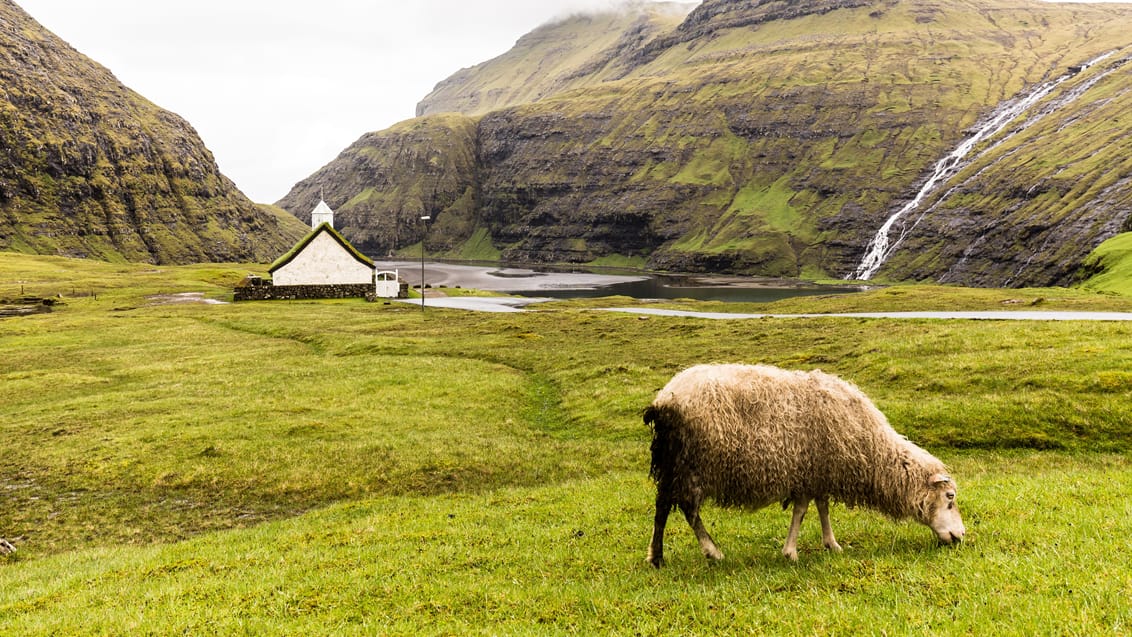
x=881 y=247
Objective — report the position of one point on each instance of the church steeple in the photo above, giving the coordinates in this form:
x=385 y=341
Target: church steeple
x=322 y=214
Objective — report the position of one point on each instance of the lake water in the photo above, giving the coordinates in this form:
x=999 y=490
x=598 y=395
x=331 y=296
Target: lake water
x=576 y=284
x=679 y=288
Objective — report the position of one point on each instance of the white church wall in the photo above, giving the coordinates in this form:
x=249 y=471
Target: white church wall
x=324 y=261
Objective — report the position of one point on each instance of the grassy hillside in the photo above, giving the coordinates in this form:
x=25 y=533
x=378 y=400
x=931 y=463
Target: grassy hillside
x=92 y=169
x=352 y=468
x=568 y=559
x=1057 y=186
x=1109 y=267
x=775 y=138
x=553 y=58
x=385 y=182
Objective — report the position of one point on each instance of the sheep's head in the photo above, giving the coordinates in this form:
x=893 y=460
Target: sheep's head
x=940 y=510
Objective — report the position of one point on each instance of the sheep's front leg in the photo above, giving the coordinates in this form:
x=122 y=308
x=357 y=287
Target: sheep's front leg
x=827 y=538
x=790 y=550
x=707 y=545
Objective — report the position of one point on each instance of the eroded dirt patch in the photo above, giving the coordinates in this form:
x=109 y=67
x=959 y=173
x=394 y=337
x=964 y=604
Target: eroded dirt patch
x=182 y=298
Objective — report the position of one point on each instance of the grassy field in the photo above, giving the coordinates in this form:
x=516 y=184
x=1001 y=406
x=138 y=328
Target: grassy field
x=350 y=468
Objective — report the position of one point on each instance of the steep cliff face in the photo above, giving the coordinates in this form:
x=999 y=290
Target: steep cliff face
x=383 y=184
x=91 y=169
x=776 y=138
x=714 y=16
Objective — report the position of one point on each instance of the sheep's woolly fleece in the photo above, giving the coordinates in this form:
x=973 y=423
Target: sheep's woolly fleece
x=770 y=435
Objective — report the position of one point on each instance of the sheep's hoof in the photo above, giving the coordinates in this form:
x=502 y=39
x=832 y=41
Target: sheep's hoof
x=834 y=547
x=656 y=561
x=790 y=554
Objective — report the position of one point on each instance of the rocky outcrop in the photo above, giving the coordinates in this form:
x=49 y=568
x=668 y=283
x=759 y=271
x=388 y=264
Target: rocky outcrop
x=772 y=138
x=91 y=169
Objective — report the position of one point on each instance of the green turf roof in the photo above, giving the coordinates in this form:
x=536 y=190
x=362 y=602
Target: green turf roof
x=300 y=246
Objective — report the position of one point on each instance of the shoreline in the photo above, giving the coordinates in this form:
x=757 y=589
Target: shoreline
x=500 y=277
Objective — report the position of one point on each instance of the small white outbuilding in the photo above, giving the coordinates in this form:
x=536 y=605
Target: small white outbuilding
x=388 y=284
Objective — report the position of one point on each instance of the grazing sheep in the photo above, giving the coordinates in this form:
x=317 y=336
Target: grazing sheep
x=750 y=436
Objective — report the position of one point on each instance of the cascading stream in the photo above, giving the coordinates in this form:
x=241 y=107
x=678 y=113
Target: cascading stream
x=881 y=247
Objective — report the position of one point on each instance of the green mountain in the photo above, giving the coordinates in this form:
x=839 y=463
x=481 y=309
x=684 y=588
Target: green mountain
x=91 y=169
x=769 y=137
x=556 y=57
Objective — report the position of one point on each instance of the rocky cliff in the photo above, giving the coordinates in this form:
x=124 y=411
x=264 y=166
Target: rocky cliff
x=383 y=184
x=88 y=168
x=774 y=138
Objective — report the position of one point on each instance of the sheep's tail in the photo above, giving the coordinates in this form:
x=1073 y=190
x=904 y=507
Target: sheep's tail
x=666 y=444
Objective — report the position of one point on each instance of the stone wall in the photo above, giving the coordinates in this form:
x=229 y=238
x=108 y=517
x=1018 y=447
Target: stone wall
x=301 y=292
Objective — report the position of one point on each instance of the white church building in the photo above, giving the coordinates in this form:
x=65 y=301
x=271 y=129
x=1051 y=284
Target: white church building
x=322 y=266
x=323 y=257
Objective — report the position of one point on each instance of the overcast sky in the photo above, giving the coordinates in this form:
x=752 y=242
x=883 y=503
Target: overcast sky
x=277 y=88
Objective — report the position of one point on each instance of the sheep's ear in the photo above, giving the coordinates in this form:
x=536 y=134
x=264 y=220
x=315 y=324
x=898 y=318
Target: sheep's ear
x=941 y=478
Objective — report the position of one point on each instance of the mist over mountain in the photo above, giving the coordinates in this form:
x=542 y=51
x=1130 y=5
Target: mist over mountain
x=767 y=137
x=90 y=168
x=556 y=57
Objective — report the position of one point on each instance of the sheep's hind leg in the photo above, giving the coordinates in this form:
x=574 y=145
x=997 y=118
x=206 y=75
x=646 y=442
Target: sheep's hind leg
x=827 y=538
x=790 y=550
x=691 y=511
x=656 y=546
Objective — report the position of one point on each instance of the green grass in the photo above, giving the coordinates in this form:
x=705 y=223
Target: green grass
x=620 y=261
x=771 y=202
x=1113 y=260
x=906 y=298
x=568 y=559
x=479 y=247
x=351 y=468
